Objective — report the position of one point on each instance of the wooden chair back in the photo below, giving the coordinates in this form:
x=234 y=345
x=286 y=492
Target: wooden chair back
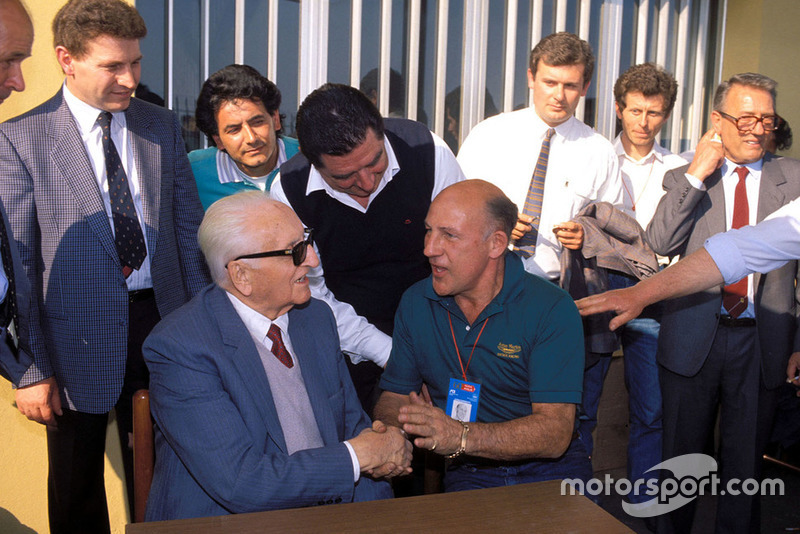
x=143 y=452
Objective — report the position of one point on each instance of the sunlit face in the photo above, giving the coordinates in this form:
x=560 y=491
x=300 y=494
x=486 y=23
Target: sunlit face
x=106 y=76
x=277 y=283
x=642 y=119
x=16 y=39
x=556 y=91
x=359 y=172
x=247 y=132
x=455 y=244
x=744 y=147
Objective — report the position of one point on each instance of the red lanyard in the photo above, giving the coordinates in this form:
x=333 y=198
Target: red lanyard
x=458 y=352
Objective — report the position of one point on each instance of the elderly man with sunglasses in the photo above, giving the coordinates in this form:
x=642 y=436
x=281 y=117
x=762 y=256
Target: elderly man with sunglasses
x=726 y=349
x=253 y=404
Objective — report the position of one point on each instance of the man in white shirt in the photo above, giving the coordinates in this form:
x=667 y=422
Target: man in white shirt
x=253 y=405
x=364 y=183
x=644 y=96
x=581 y=168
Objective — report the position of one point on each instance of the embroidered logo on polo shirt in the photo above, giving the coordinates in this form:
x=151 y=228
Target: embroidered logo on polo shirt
x=508 y=351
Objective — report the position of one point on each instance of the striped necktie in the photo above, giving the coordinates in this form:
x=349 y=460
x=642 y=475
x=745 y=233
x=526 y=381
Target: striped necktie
x=278 y=348
x=526 y=245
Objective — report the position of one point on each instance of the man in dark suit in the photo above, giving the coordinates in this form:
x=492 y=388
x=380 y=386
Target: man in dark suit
x=16 y=39
x=726 y=348
x=104 y=209
x=253 y=404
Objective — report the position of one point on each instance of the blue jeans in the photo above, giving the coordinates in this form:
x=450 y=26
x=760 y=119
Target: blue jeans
x=572 y=464
x=639 y=343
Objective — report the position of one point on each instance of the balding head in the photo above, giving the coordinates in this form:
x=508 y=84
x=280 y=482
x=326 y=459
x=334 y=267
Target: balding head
x=16 y=39
x=469 y=224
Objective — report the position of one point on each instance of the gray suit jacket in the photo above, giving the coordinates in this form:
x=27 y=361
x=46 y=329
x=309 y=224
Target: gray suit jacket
x=78 y=320
x=684 y=219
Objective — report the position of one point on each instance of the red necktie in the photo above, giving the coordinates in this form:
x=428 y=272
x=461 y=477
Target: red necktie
x=278 y=348
x=734 y=296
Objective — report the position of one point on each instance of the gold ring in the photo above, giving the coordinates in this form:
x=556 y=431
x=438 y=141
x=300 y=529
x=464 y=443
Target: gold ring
x=434 y=446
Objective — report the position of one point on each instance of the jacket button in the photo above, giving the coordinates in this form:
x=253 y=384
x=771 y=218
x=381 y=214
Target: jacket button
x=338 y=500
x=330 y=501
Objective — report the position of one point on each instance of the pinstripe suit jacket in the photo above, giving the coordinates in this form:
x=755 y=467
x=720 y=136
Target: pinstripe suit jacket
x=78 y=319
x=684 y=219
x=220 y=447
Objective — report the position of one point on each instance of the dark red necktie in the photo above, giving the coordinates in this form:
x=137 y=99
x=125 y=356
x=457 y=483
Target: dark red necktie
x=278 y=348
x=734 y=296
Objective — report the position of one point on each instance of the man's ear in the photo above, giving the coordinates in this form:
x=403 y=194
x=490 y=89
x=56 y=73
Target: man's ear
x=239 y=276
x=65 y=59
x=498 y=244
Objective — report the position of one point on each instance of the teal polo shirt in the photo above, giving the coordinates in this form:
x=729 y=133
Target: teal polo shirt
x=530 y=351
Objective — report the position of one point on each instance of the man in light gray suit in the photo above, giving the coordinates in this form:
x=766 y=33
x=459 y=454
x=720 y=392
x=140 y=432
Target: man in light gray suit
x=105 y=212
x=726 y=348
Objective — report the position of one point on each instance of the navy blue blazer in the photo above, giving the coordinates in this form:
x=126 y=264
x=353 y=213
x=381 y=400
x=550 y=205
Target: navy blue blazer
x=78 y=319
x=13 y=366
x=220 y=448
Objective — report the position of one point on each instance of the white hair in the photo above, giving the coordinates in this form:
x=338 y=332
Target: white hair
x=223 y=233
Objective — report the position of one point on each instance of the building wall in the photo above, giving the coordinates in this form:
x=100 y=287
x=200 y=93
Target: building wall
x=761 y=36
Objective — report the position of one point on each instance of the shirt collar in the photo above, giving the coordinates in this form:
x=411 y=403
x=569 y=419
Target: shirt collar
x=257 y=324
x=658 y=152
x=540 y=127
x=86 y=115
x=729 y=167
x=228 y=172
x=317 y=183
x=513 y=275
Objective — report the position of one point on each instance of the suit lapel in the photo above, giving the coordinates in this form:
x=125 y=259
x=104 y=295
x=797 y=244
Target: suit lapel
x=714 y=204
x=770 y=198
x=306 y=351
x=70 y=158
x=146 y=151
x=241 y=353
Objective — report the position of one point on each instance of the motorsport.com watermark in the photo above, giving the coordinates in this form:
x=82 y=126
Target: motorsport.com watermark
x=693 y=475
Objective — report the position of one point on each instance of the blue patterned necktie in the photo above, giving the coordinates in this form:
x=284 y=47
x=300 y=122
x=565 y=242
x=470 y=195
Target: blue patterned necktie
x=128 y=237
x=526 y=245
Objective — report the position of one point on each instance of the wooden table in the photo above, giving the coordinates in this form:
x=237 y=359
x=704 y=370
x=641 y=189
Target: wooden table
x=538 y=507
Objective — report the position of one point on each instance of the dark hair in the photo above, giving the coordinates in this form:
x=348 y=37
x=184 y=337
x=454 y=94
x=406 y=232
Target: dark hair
x=501 y=214
x=80 y=21
x=231 y=83
x=563 y=48
x=650 y=80
x=397 y=90
x=782 y=135
x=333 y=120
x=748 y=79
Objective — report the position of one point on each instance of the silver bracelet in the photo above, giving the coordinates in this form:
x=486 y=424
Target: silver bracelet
x=463 y=447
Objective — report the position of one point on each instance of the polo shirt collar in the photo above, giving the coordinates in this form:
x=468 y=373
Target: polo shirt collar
x=513 y=275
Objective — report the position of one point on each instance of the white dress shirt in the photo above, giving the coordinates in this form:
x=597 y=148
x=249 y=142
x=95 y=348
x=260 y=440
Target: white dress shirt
x=752 y=184
x=361 y=340
x=758 y=249
x=582 y=168
x=258 y=325
x=92 y=135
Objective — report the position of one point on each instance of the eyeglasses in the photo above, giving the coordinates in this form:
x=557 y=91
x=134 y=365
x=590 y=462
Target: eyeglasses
x=297 y=252
x=746 y=123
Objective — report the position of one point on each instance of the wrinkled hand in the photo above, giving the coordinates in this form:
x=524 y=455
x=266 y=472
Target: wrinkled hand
x=708 y=156
x=793 y=370
x=435 y=430
x=623 y=302
x=40 y=401
x=570 y=234
x=522 y=227
x=383 y=451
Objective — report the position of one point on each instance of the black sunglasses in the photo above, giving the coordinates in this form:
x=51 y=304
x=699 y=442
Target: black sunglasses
x=297 y=252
